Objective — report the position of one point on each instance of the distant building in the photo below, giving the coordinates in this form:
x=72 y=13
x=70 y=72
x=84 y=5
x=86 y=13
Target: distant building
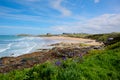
x=67 y=33
x=48 y=34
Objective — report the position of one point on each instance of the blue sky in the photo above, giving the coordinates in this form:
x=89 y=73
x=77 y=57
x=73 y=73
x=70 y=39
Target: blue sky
x=58 y=16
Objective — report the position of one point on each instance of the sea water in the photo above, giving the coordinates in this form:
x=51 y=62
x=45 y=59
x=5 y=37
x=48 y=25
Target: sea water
x=11 y=45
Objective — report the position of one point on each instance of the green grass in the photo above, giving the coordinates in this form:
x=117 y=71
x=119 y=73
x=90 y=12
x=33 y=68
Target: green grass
x=96 y=65
x=98 y=37
x=104 y=37
x=82 y=35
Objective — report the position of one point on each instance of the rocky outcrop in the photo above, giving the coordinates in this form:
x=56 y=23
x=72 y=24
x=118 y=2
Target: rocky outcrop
x=28 y=60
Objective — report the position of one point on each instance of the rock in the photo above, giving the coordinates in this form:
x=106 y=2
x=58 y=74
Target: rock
x=67 y=52
x=1 y=62
x=112 y=40
x=23 y=61
x=97 y=47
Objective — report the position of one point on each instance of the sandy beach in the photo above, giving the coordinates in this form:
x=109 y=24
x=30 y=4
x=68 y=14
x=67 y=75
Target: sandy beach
x=65 y=46
x=68 y=40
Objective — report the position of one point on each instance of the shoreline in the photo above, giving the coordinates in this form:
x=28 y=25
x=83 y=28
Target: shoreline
x=58 y=40
x=66 y=45
x=73 y=40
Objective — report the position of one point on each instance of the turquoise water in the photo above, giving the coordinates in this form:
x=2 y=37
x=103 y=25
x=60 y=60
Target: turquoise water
x=9 y=37
x=11 y=45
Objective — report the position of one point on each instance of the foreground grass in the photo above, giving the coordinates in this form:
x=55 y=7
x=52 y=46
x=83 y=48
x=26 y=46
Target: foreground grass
x=97 y=65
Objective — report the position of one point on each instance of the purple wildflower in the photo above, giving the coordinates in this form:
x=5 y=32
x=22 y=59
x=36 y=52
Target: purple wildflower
x=64 y=58
x=80 y=55
x=58 y=63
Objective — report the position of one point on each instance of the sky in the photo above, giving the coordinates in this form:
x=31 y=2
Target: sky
x=59 y=16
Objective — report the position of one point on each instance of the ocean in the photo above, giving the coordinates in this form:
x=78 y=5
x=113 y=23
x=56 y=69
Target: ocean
x=11 y=45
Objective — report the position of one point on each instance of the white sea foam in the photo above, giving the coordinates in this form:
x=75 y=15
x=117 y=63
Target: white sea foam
x=23 y=45
x=29 y=48
x=6 y=48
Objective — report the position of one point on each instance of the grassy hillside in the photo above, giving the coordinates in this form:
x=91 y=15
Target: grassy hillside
x=96 y=65
x=98 y=37
x=104 y=37
x=77 y=35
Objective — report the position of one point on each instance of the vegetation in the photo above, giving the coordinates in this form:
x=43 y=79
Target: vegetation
x=76 y=35
x=104 y=37
x=48 y=35
x=25 y=35
x=96 y=65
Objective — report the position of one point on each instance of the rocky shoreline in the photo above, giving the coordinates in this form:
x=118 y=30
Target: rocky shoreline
x=59 y=51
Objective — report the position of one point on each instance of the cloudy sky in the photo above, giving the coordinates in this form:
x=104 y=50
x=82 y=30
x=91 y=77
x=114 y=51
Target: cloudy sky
x=58 y=16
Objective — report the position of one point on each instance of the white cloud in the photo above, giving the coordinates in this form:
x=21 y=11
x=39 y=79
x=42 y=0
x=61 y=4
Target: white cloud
x=101 y=24
x=20 y=27
x=106 y=21
x=43 y=7
x=56 y=4
x=23 y=29
x=7 y=9
x=96 y=1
